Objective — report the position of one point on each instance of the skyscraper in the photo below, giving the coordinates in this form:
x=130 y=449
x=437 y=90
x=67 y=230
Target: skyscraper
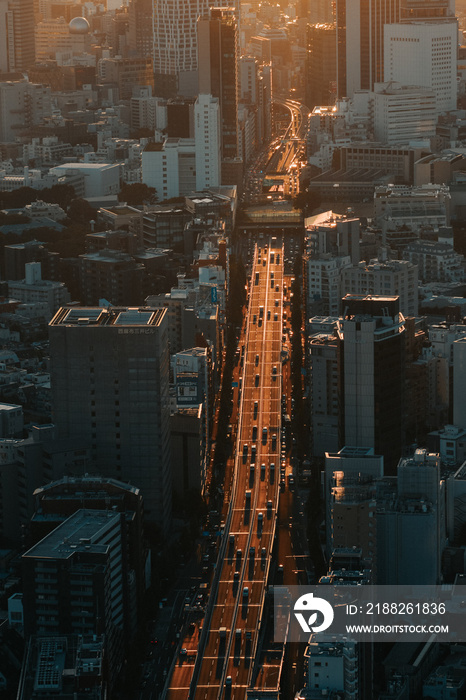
x=110 y=375
x=175 y=44
x=371 y=356
x=360 y=49
x=218 y=71
x=17 y=49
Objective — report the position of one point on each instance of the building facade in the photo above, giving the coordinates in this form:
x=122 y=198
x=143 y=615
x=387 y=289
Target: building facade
x=110 y=381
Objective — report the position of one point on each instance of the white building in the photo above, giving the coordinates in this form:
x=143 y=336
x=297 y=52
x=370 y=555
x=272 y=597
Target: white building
x=324 y=282
x=391 y=277
x=207 y=136
x=34 y=290
x=333 y=666
x=401 y=113
x=425 y=54
x=100 y=179
x=180 y=166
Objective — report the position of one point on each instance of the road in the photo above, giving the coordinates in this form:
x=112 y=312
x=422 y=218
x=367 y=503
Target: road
x=220 y=664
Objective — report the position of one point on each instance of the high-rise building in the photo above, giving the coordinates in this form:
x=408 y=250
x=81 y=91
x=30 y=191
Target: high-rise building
x=413 y=513
x=17 y=51
x=360 y=42
x=321 y=66
x=218 y=71
x=371 y=355
x=424 y=53
x=74 y=582
x=140 y=31
x=110 y=381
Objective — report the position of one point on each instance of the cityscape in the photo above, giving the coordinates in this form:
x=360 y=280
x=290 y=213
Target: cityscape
x=232 y=349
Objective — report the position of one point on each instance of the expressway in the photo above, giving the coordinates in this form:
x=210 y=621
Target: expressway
x=221 y=663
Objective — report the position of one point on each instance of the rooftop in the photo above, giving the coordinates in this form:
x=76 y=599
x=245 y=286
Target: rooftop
x=80 y=532
x=108 y=316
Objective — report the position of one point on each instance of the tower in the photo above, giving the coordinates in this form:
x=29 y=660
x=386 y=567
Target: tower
x=371 y=357
x=360 y=42
x=218 y=71
x=110 y=375
x=17 y=52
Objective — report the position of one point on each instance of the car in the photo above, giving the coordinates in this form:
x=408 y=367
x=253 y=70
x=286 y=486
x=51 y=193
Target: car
x=252 y=552
x=228 y=682
x=256 y=407
x=268 y=315
x=262 y=472
x=236 y=576
x=257 y=380
x=245 y=593
x=257 y=360
x=183 y=652
x=275 y=317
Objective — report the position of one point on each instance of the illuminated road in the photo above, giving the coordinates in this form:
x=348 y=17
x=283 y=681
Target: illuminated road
x=220 y=663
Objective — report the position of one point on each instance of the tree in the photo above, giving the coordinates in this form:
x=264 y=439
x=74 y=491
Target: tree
x=81 y=212
x=307 y=201
x=137 y=193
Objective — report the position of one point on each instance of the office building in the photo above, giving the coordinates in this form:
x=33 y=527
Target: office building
x=189 y=449
x=58 y=500
x=321 y=66
x=22 y=106
x=175 y=46
x=371 y=356
x=401 y=113
x=180 y=166
x=324 y=283
x=390 y=277
x=218 y=73
x=333 y=233
x=323 y=374
x=111 y=275
x=424 y=54
x=110 y=382
x=140 y=31
x=360 y=42
x=357 y=468
x=17 y=52
x=414 y=513
x=84 y=553
x=28 y=463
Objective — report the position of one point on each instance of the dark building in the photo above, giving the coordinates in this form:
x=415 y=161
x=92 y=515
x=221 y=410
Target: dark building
x=73 y=582
x=58 y=500
x=140 y=33
x=218 y=71
x=110 y=382
x=18 y=254
x=321 y=67
x=111 y=275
